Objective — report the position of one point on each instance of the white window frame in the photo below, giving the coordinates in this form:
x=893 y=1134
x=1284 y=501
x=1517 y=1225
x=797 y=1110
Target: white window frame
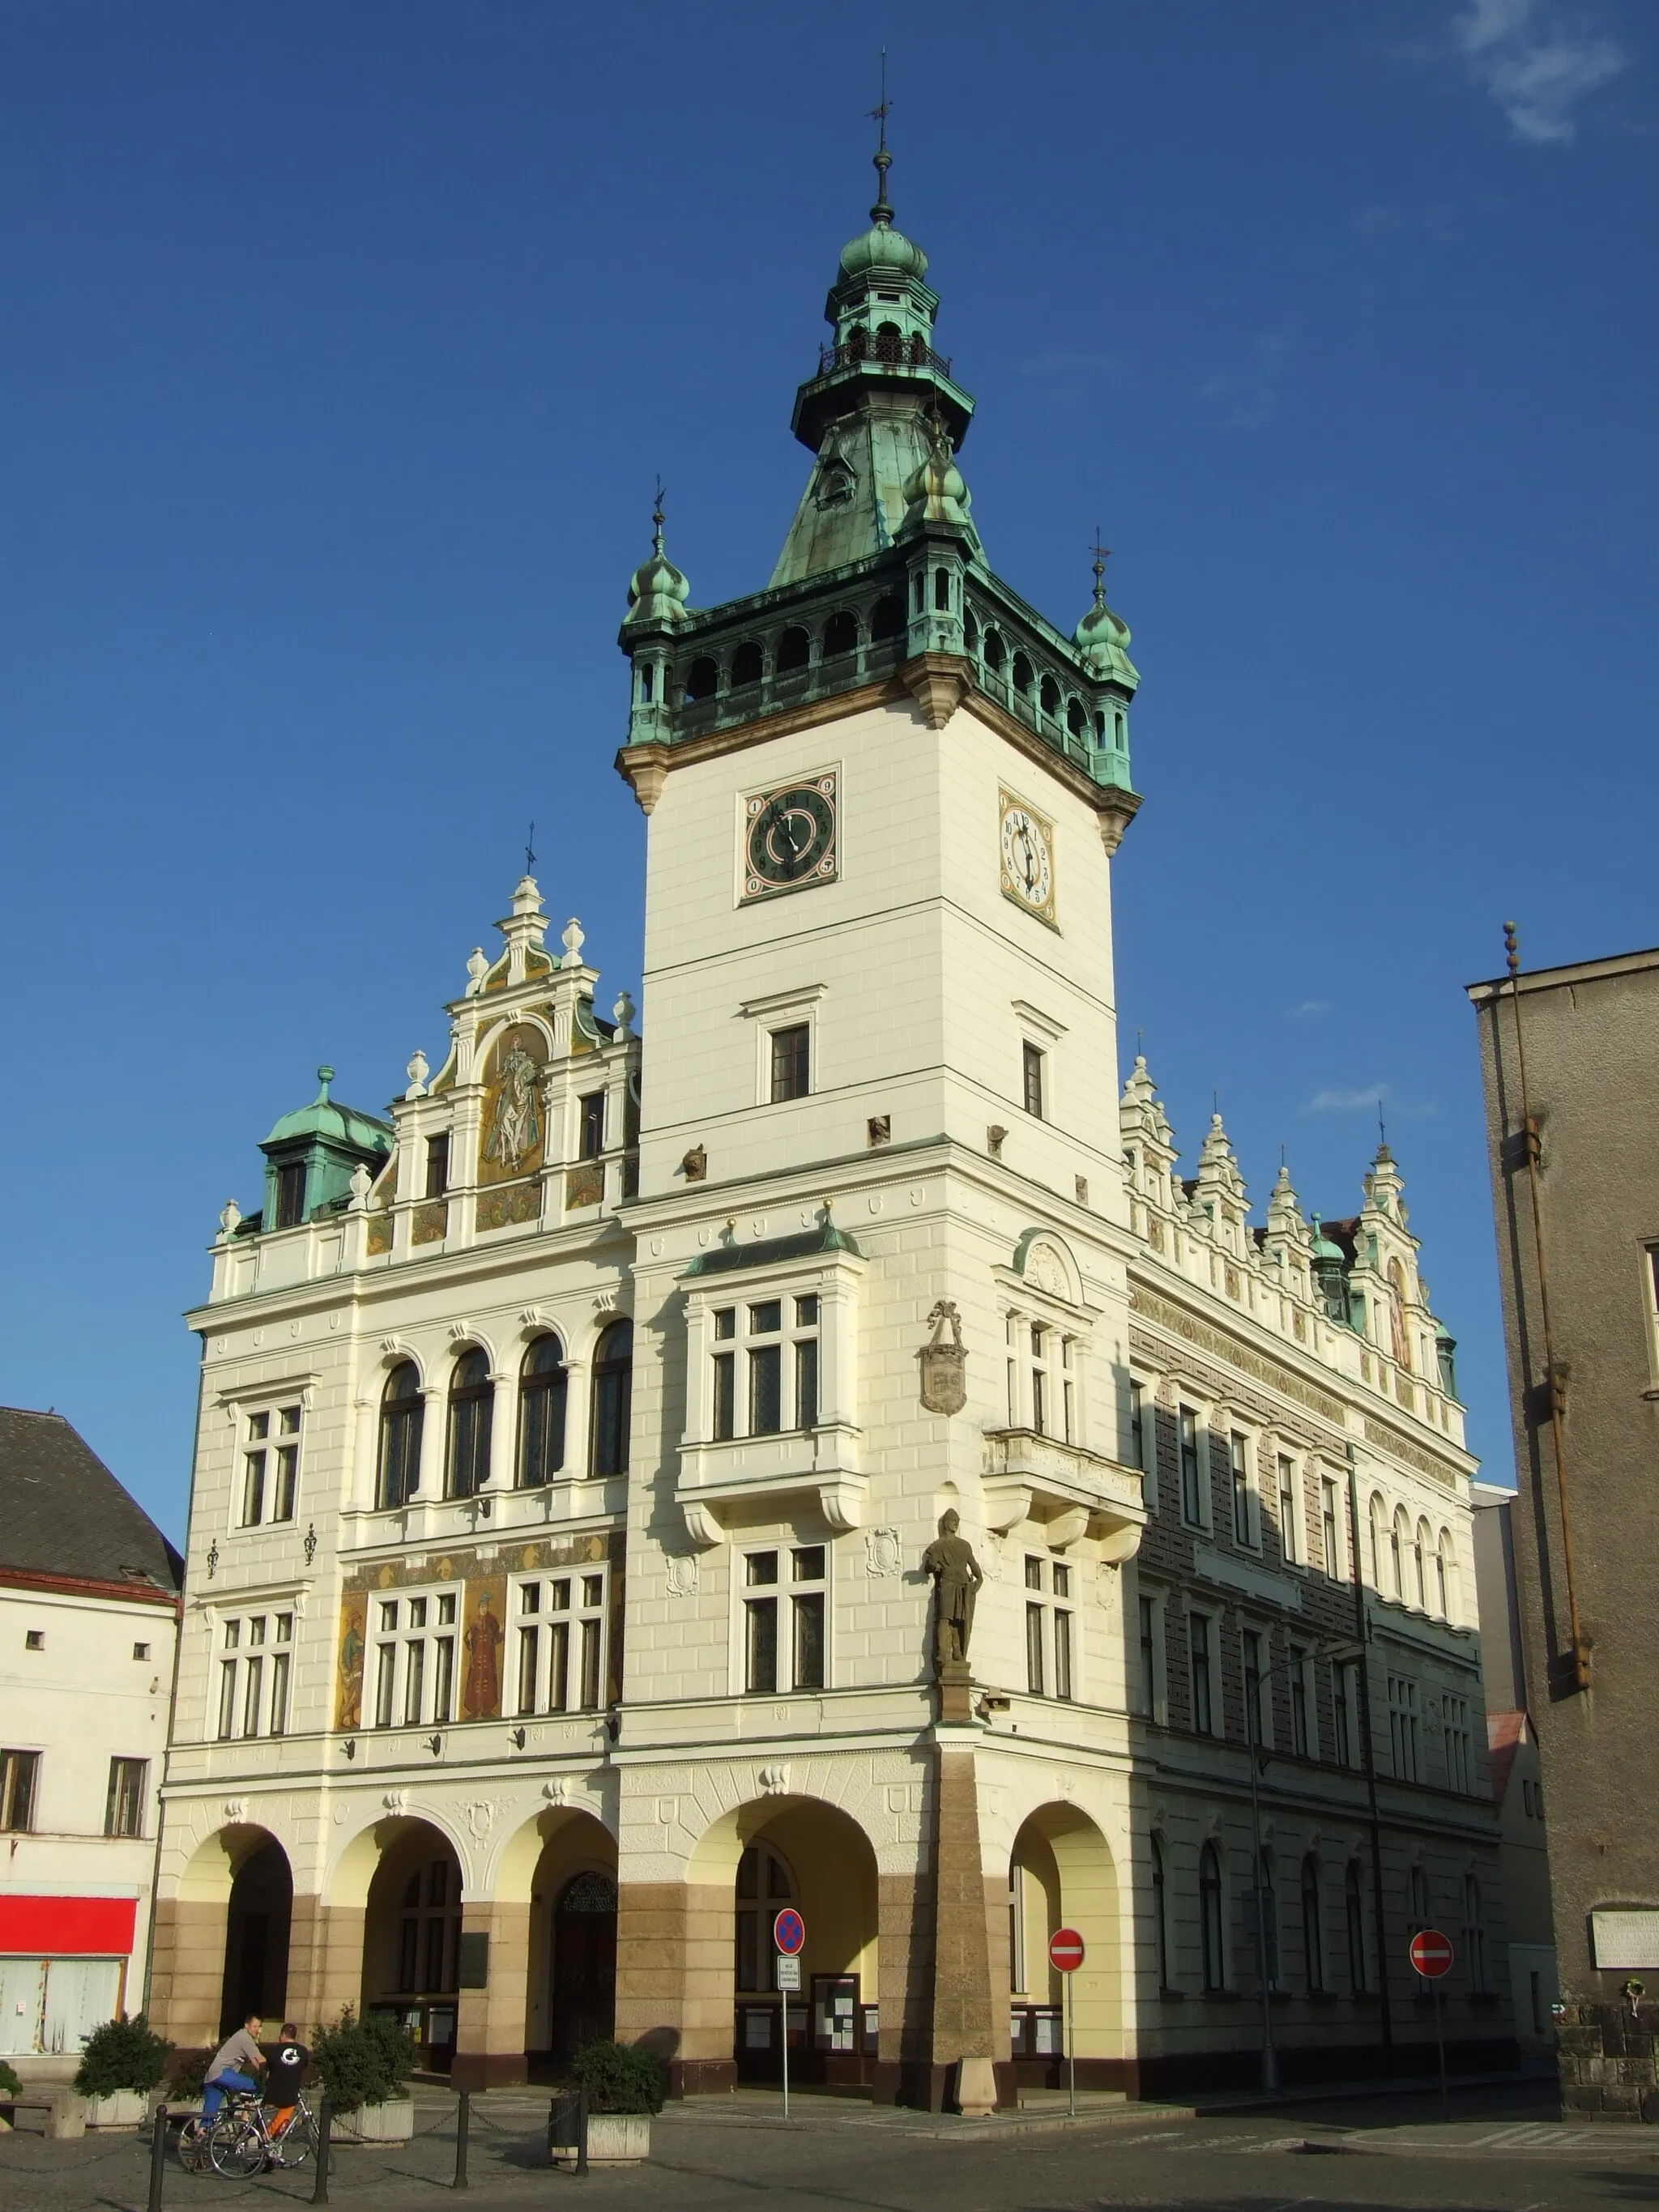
x=1244 y=1456
x=1143 y=1432
x=1332 y=1534
x=746 y=1340
x=405 y=1630
x=252 y=1676
x=585 y=1617
x=782 y=1593
x=1288 y=1473
x=832 y=1278
x=1051 y=1605
x=282 y=1433
x=1151 y=1699
x=785 y=1010
x=1213 y=1696
x=1200 y=1426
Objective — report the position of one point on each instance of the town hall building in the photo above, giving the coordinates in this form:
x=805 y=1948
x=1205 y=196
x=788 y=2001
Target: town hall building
x=803 y=1441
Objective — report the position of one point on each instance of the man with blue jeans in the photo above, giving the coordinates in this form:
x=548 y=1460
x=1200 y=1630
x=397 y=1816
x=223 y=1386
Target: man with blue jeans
x=230 y=2063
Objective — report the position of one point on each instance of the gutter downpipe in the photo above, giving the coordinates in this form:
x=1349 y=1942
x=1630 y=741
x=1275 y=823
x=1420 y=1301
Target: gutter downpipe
x=1362 y=1632
x=173 y=1692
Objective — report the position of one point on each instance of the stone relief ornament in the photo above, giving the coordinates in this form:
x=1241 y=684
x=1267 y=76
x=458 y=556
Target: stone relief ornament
x=513 y=1138
x=944 y=1364
x=557 y=1791
x=881 y=1555
x=773 y=1781
x=480 y=1818
x=949 y=1561
x=1046 y=1270
x=683 y=1574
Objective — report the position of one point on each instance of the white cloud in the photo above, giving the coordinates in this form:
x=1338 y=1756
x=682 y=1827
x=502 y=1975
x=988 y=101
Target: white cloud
x=1346 y=1102
x=1247 y=395
x=1309 y=1009
x=1538 y=61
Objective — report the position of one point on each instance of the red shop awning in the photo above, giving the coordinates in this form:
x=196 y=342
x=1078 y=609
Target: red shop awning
x=67 y=1927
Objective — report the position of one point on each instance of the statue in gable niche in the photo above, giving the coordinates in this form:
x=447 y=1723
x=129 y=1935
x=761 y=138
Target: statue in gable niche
x=512 y=1130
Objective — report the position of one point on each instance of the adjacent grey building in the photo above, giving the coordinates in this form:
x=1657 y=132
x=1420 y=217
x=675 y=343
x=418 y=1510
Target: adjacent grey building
x=1571 y=1063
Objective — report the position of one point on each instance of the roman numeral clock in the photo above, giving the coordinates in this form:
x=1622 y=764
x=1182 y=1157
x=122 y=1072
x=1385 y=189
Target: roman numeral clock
x=789 y=839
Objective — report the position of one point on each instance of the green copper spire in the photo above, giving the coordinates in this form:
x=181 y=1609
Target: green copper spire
x=657 y=592
x=864 y=414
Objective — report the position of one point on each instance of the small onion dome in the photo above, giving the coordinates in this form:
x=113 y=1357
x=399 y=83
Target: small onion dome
x=1323 y=1249
x=1102 y=639
x=934 y=490
x=657 y=591
x=881 y=247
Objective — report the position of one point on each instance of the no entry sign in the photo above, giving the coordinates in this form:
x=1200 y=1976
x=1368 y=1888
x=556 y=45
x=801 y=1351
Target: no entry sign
x=1432 y=1953
x=789 y=1932
x=1065 y=1950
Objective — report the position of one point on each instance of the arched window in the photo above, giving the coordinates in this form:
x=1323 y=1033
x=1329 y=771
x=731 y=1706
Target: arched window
x=1050 y=697
x=1210 y=1917
x=472 y=1400
x=1021 y=675
x=1076 y=720
x=889 y=342
x=917 y=350
x=1445 y=1575
x=1313 y=1936
x=858 y=341
x=1379 y=1515
x=613 y=1391
x=1400 y=1538
x=764 y=1884
x=1422 y=1553
x=428 y=1932
x=1354 y=1903
x=942 y=591
x=887 y=618
x=401 y=1411
x=841 y=635
x=647 y=681
x=794 y=651
x=1161 y=1915
x=996 y=653
x=971 y=631
x=747 y=667
x=701 y=680
x=543 y=1386
x=1474 y=1936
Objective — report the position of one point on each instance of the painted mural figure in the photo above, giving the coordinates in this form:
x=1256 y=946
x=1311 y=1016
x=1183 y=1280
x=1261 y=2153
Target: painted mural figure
x=350 y=1705
x=956 y=1578
x=481 y=1695
x=516 y=1130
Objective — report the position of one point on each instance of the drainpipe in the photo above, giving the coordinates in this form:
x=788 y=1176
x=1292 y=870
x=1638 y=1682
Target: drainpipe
x=1362 y=1632
x=172 y=1687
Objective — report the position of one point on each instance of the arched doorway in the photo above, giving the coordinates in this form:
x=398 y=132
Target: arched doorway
x=584 y=1965
x=411 y=1940
x=256 y=1921
x=1061 y=1875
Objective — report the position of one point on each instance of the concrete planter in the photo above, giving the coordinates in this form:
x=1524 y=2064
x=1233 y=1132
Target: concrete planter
x=394 y=2122
x=613 y=2139
x=121 y=2108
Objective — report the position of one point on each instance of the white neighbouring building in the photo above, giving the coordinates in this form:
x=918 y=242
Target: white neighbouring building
x=88 y=1629
x=572 y=1438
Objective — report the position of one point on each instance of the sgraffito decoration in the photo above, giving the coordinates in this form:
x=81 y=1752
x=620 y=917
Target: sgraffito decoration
x=348 y=1695
x=515 y=1131
x=481 y=1643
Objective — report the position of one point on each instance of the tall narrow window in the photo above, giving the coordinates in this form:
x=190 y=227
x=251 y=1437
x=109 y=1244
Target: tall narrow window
x=1344 y=1715
x=1255 y=1682
x=613 y=1388
x=1017 y=1928
x=1040 y=1378
x=437 y=1166
x=288 y=1463
x=1160 y=1915
x=1148 y=1612
x=281 y=1665
x=726 y=1376
x=1062 y=1630
x=806 y=1363
x=1035 y=1672
x=1198 y=1645
x=471 y=1401
x=291 y=1194
x=1313 y=1937
x=766 y=1368
x=544 y=1394
x=1244 y=1519
x=1330 y=1542
x=19 y=1773
x=1460 y=1745
x=1420 y=1903
x=1355 y=1906
x=1142 y=1454
x=1443 y=1580
x=254 y=1472
x=791 y=1068
x=1301 y=1718
x=1289 y=1529
x=1191 y=1495
x=1210 y=1917
x=1399 y=1540
x=124 y=1802
x=1402 y=1726
x=1379 y=1525
x=1422 y=1555
x=761 y=1622
x=228 y=1667
x=402 y=1410
x=590 y=1134
x=1031 y=1077
x=1474 y=1936
x=807 y=1596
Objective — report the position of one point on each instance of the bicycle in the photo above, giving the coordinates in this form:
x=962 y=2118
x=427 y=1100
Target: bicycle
x=240 y=2142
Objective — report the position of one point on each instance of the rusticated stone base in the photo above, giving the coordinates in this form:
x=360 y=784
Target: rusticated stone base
x=1607 y=2059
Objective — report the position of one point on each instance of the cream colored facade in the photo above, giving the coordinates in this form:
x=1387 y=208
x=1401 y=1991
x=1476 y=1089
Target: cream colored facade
x=1126 y=1339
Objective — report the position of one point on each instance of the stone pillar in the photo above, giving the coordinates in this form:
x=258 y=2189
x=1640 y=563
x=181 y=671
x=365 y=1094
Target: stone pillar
x=674 y=1948
x=490 y=2029
x=903 y=2072
x=324 y=1962
x=187 y=1971
x=966 y=2019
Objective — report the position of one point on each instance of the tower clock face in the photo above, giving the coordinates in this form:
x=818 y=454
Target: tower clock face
x=789 y=837
x=1028 y=857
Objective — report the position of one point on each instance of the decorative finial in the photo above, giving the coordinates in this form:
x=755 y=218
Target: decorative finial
x=1511 y=949
x=530 y=851
x=324 y=1076
x=361 y=1183
x=623 y=1015
x=418 y=1069
x=572 y=938
x=477 y=968
x=229 y=1215
x=657 y=519
x=882 y=211
x=1102 y=554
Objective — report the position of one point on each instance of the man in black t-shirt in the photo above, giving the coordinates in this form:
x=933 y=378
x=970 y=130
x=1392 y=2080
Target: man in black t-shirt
x=288 y=2061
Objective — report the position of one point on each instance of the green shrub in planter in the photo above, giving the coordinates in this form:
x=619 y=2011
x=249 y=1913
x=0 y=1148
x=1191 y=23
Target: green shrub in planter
x=188 y=2077
x=362 y=2062
x=122 y=2054
x=619 y=2077
x=9 y=2084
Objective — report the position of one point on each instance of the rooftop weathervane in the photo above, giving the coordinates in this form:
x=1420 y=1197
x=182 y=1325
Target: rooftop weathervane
x=882 y=211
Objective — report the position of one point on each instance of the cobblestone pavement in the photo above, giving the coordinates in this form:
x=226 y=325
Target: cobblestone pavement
x=1502 y=2152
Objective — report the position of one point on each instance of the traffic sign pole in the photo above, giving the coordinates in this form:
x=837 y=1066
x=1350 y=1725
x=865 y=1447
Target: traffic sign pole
x=1071 y=2052
x=789 y=1935
x=1066 y=1955
x=1430 y=1953
x=1440 y=2047
x=783 y=2000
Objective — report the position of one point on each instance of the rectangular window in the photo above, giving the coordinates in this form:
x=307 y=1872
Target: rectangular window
x=227 y=1727
x=1301 y=1727
x=1402 y=1726
x=771 y=1365
x=1148 y=1612
x=806 y=1378
x=761 y=1658
x=1198 y=1644
x=1290 y=1527
x=765 y=1389
x=1143 y=1446
x=385 y=1676
x=19 y=1774
x=1258 y=1717
x=1062 y=1653
x=414 y=1680
x=253 y=1489
x=443 y=1679
x=1192 y=1493
x=805 y=1656
x=254 y=1683
x=1034 y=1667
x=809 y=1640
x=124 y=1807
x=1344 y=1711
x=291 y=1194
x=591 y=1135
x=1245 y=1530
x=789 y=1062
x=591 y=1629
x=280 y=1668
x=1031 y=1078
x=437 y=1166
x=1460 y=1746
x=726 y=1395
x=1039 y=1379
x=1329 y=1540
x=287 y=1478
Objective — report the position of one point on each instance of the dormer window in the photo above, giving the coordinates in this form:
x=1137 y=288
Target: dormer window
x=291 y=1194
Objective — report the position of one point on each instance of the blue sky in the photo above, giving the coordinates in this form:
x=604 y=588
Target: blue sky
x=343 y=343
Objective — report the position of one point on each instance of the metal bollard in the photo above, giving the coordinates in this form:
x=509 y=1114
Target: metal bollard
x=463 y=2128
x=324 y=2125
x=158 y=2156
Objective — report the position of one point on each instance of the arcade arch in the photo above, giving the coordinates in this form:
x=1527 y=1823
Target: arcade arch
x=1062 y=1874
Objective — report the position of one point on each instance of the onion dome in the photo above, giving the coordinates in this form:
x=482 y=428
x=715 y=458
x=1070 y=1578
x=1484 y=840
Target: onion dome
x=1323 y=1249
x=657 y=591
x=1102 y=637
x=934 y=490
x=881 y=247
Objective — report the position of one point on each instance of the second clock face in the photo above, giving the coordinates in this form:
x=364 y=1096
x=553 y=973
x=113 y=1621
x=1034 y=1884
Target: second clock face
x=1028 y=857
x=789 y=837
